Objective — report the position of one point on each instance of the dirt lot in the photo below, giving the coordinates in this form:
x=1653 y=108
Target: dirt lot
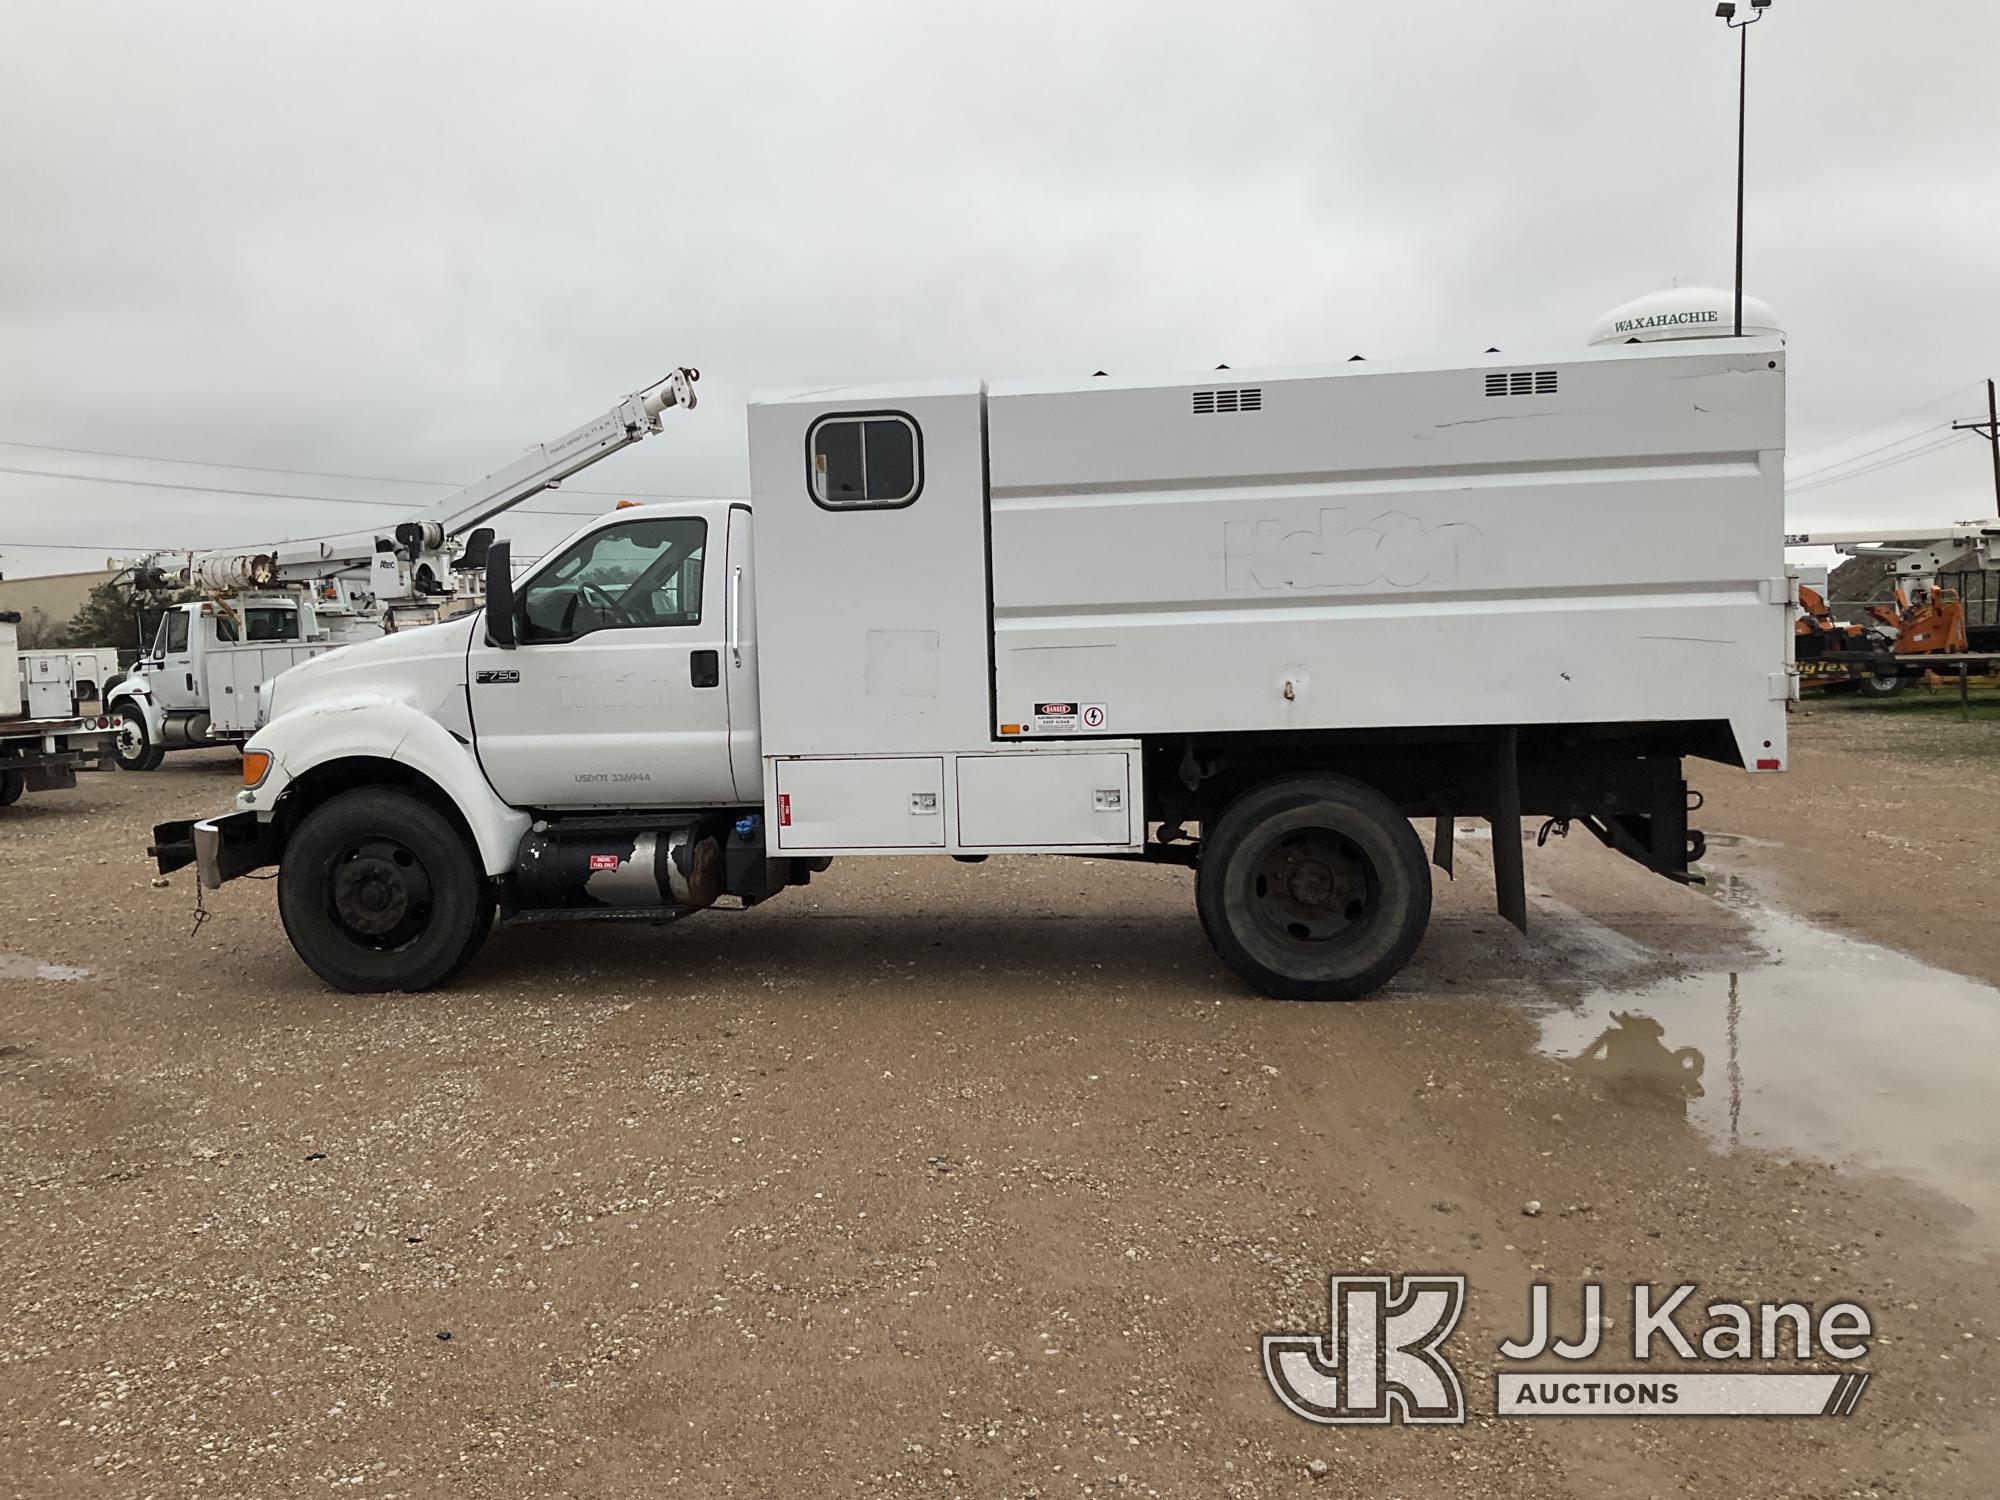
x=954 y=1181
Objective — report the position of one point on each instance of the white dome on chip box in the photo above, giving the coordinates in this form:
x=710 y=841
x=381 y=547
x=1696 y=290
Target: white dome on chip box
x=1684 y=312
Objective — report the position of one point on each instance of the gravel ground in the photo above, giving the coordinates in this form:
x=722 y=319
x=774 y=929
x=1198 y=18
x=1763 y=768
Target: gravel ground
x=931 y=1179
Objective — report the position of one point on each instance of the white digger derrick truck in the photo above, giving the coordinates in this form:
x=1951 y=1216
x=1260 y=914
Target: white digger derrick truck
x=271 y=608
x=1254 y=624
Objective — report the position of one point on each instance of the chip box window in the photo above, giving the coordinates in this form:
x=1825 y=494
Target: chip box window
x=871 y=460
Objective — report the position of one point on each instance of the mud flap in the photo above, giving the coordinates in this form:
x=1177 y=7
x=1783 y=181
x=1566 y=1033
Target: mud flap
x=1510 y=875
x=1445 y=827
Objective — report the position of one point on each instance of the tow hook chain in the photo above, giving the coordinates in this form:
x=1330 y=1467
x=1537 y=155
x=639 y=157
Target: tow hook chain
x=1558 y=827
x=200 y=910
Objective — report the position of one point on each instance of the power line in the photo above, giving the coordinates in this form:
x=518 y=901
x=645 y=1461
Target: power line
x=1882 y=463
x=1878 y=465
x=1866 y=452
x=204 y=463
x=1949 y=395
x=6 y=547
x=213 y=489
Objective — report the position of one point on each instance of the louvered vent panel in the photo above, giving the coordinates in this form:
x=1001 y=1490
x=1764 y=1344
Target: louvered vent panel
x=1521 y=383
x=1246 y=398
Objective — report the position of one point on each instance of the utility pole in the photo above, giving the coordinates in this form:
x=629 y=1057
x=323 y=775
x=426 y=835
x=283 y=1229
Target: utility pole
x=1991 y=427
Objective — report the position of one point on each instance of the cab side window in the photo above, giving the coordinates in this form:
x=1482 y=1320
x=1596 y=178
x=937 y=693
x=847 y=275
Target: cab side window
x=636 y=575
x=268 y=624
x=177 y=632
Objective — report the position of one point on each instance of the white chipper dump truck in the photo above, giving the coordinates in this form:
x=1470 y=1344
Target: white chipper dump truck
x=49 y=728
x=1254 y=623
x=271 y=607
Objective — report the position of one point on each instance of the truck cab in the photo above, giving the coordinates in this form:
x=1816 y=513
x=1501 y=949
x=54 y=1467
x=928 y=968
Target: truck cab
x=631 y=681
x=197 y=684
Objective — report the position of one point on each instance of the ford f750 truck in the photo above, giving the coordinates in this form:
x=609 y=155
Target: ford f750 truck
x=1254 y=623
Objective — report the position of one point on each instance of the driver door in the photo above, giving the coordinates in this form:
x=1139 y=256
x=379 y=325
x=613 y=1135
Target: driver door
x=613 y=695
x=176 y=687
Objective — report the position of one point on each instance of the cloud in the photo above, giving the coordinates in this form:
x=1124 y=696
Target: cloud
x=401 y=240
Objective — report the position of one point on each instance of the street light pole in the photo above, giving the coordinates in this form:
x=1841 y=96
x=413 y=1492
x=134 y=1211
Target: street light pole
x=1727 y=11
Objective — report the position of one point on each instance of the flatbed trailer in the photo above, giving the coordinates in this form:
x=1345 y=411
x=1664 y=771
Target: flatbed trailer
x=1966 y=665
x=44 y=755
x=39 y=751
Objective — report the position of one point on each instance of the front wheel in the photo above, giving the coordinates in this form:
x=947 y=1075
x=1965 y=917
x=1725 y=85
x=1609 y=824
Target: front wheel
x=1313 y=888
x=136 y=748
x=379 y=890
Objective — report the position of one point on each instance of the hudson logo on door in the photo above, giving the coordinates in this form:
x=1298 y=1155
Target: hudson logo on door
x=609 y=690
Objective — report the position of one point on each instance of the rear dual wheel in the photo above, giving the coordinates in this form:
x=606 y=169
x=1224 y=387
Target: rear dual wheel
x=379 y=890
x=12 y=784
x=1313 y=888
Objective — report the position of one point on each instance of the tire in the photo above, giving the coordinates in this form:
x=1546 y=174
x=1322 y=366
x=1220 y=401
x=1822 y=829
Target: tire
x=12 y=784
x=1883 y=685
x=379 y=891
x=1313 y=888
x=136 y=750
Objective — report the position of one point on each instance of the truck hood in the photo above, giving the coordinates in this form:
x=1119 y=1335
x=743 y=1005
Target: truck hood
x=422 y=667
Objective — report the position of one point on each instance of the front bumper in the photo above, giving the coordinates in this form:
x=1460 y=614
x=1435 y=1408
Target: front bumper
x=220 y=848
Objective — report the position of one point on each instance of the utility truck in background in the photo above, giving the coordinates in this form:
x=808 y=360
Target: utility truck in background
x=199 y=683
x=1252 y=623
x=47 y=733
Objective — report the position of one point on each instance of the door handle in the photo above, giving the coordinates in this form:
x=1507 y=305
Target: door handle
x=735 y=617
x=704 y=668
x=190 y=678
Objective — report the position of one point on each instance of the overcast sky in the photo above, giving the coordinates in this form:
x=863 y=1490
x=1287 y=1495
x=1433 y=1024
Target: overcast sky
x=410 y=239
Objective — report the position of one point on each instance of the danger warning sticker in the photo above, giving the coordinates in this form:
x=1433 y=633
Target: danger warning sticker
x=1067 y=718
x=603 y=861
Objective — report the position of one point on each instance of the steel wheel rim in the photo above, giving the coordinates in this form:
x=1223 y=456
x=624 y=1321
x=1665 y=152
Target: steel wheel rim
x=379 y=894
x=1313 y=887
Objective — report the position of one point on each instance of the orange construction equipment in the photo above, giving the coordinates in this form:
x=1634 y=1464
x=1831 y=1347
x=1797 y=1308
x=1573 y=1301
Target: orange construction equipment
x=1841 y=658
x=1931 y=622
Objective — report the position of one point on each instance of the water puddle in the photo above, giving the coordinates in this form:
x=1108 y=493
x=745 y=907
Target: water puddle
x=1836 y=1049
x=19 y=966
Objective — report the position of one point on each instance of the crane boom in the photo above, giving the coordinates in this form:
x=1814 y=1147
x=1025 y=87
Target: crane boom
x=1915 y=552
x=412 y=562
x=549 y=464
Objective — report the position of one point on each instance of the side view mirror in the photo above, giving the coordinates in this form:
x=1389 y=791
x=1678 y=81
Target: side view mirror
x=500 y=595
